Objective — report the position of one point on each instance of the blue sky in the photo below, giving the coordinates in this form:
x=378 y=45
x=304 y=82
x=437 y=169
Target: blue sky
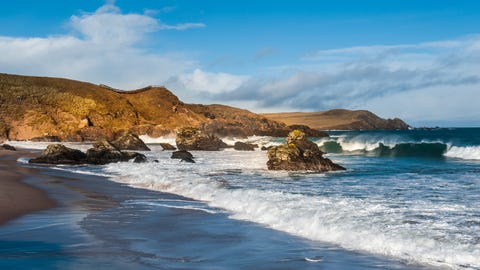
x=418 y=60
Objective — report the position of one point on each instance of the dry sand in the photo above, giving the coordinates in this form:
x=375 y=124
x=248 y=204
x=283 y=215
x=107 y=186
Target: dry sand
x=17 y=198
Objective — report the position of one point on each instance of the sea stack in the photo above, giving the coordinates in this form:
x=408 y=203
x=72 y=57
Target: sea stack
x=190 y=138
x=299 y=154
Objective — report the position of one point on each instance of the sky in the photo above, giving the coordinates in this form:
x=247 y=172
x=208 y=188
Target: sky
x=417 y=60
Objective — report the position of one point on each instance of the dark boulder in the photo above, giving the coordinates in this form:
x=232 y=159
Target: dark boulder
x=60 y=154
x=130 y=141
x=189 y=138
x=241 y=146
x=167 y=147
x=105 y=146
x=299 y=154
x=139 y=158
x=183 y=155
x=8 y=147
x=300 y=140
x=104 y=152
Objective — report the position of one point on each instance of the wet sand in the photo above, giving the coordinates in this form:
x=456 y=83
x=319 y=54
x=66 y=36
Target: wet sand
x=16 y=197
x=101 y=224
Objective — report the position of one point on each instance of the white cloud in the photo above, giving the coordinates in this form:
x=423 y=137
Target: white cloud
x=104 y=47
x=369 y=76
x=108 y=25
x=376 y=51
x=451 y=105
x=438 y=80
x=204 y=83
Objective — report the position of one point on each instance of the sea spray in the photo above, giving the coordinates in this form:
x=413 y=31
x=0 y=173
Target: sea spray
x=415 y=208
x=415 y=230
x=466 y=152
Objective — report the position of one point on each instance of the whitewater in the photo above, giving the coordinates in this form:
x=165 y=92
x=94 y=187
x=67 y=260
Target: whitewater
x=412 y=196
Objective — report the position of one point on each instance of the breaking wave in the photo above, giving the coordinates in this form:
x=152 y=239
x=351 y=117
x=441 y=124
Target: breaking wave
x=406 y=230
x=468 y=152
x=400 y=149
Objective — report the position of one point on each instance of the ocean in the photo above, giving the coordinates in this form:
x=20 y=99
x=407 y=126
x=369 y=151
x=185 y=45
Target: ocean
x=408 y=200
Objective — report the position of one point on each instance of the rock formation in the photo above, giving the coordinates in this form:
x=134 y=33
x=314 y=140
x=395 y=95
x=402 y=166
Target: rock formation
x=60 y=154
x=7 y=147
x=102 y=152
x=167 y=147
x=227 y=121
x=190 y=138
x=308 y=131
x=183 y=155
x=76 y=111
x=130 y=141
x=299 y=154
x=241 y=146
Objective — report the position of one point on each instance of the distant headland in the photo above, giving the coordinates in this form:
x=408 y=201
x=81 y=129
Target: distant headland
x=44 y=108
x=339 y=119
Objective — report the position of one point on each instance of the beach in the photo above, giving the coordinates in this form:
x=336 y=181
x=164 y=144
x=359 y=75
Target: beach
x=16 y=197
x=338 y=135
x=108 y=225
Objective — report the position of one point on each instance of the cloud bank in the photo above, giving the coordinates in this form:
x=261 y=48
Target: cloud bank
x=102 y=47
x=425 y=82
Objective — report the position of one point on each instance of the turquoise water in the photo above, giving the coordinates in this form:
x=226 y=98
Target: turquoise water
x=411 y=196
x=101 y=224
x=409 y=199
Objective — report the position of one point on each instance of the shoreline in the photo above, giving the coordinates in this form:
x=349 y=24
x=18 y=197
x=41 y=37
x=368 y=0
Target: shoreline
x=109 y=225
x=18 y=198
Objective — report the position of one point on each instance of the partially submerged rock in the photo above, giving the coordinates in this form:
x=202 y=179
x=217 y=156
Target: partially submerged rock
x=167 y=147
x=102 y=152
x=190 y=138
x=241 y=146
x=309 y=132
x=7 y=147
x=183 y=155
x=299 y=154
x=130 y=141
x=60 y=154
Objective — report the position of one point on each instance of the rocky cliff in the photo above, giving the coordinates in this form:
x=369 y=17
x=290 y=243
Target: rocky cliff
x=339 y=119
x=32 y=107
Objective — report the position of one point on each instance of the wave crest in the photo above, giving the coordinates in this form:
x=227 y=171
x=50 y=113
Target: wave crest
x=467 y=152
x=403 y=149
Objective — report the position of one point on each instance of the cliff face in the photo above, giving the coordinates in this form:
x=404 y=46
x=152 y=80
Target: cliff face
x=229 y=121
x=339 y=119
x=71 y=110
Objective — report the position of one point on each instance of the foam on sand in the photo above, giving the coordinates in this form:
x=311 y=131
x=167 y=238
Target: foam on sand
x=407 y=231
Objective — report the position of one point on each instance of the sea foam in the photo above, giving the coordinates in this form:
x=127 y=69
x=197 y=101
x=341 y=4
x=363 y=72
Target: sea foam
x=409 y=231
x=163 y=139
x=384 y=147
x=467 y=152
